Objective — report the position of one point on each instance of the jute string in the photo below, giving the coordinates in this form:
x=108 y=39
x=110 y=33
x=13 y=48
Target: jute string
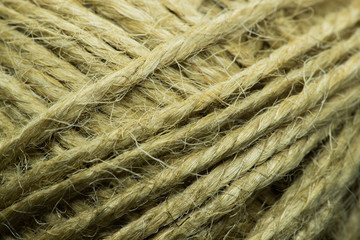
x=179 y=119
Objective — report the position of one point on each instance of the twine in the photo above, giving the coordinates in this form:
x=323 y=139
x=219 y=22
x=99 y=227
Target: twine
x=192 y=119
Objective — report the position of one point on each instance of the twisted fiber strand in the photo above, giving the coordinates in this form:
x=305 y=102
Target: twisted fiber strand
x=15 y=39
x=71 y=50
x=27 y=102
x=44 y=85
x=137 y=20
x=185 y=10
x=235 y=195
x=72 y=137
x=21 y=95
x=5 y=124
x=221 y=176
x=211 y=122
x=32 y=74
x=320 y=219
x=176 y=49
x=107 y=143
x=49 y=61
x=235 y=141
x=188 y=12
x=161 y=15
x=120 y=11
x=30 y=180
x=236 y=224
x=153 y=9
x=324 y=178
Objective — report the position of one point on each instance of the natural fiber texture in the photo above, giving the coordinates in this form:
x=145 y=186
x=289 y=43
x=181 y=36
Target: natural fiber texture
x=180 y=119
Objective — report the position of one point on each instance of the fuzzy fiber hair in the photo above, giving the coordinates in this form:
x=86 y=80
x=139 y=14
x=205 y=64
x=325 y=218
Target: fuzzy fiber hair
x=180 y=119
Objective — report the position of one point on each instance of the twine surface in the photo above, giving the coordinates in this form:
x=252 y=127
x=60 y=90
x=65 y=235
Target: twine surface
x=185 y=119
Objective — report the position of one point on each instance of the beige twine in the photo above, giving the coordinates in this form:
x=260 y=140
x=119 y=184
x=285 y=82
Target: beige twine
x=191 y=119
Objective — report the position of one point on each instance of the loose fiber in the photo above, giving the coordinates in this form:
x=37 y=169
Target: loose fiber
x=193 y=119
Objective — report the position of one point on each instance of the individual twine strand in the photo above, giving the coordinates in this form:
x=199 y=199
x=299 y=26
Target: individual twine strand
x=176 y=49
x=237 y=223
x=321 y=218
x=44 y=170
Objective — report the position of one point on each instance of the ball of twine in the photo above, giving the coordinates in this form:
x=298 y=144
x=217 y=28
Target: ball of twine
x=191 y=119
